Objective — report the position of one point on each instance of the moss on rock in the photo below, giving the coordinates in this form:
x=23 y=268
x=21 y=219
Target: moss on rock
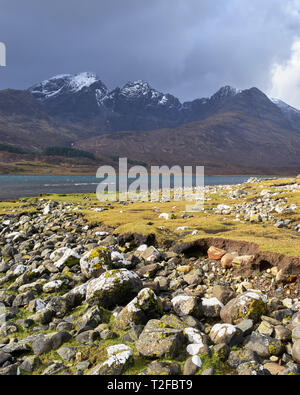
x=95 y=262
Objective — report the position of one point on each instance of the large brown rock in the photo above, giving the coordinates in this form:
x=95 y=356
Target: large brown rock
x=215 y=253
x=223 y=294
x=226 y=261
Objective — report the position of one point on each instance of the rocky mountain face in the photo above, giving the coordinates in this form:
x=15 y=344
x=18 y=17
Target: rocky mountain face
x=24 y=122
x=231 y=130
x=137 y=106
x=71 y=97
x=218 y=142
x=83 y=97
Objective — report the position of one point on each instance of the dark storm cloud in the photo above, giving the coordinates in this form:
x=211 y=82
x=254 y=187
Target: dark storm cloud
x=186 y=47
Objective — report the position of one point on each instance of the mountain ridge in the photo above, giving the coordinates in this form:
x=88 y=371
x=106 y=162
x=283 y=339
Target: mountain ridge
x=83 y=97
x=232 y=129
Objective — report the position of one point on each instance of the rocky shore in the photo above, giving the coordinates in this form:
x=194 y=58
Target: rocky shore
x=79 y=299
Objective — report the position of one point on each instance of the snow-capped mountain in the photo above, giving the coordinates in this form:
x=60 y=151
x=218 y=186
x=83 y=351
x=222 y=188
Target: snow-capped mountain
x=230 y=128
x=137 y=106
x=71 y=96
x=82 y=96
x=141 y=91
x=67 y=84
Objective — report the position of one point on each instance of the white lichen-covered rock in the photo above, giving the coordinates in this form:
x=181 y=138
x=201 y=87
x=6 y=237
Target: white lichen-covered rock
x=151 y=254
x=197 y=343
x=120 y=357
x=141 y=248
x=251 y=304
x=20 y=269
x=114 y=287
x=64 y=256
x=46 y=210
x=95 y=262
x=225 y=333
x=52 y=286
x=211 y=307
x=143 y=307
x=39 y=304
x=119 y=261
x=186 y=305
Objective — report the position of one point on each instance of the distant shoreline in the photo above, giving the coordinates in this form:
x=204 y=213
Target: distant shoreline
x=91 y=174
x=13 y=187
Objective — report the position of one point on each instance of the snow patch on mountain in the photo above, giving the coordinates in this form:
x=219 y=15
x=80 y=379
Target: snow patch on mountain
x=284 y=106
x=63 y=83
x=136 y=89
x=140 y=93
x=82 y=80
x=101 y=95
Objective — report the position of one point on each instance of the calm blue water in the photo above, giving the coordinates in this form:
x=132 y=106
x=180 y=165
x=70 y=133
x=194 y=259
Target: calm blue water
x=16 y=186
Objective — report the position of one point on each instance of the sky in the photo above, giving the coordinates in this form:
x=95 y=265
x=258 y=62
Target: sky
x=189 y=48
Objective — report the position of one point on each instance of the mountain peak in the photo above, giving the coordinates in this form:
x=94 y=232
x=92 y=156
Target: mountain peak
x=140 y=90
x=136 y=88
x=82 y=80
x=85 y=77
x=63 y=83
x=225 y=91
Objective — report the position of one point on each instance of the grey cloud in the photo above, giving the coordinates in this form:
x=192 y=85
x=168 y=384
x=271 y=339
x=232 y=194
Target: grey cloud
x=188 y=48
